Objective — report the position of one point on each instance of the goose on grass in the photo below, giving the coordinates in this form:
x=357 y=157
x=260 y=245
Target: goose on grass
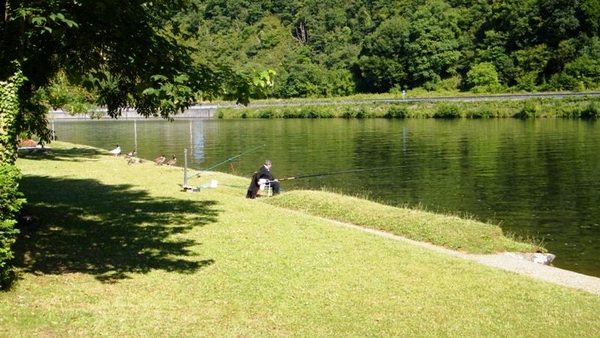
x=116 y=151
x=160 y=160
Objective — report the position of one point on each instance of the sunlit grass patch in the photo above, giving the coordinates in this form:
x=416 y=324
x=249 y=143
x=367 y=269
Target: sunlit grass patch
x=445 y=230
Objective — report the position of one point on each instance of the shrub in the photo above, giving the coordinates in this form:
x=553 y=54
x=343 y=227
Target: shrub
x=361 y=113
x=447 y=112
x=396 y=112
x=576 y=112
x=529 y=110
x=264 y=114
x=562 y=81
x=591 y=112
x=348 y=113
x=482 y=77
x=11 y=201
x=324 y=112
x=289 y=113
x=310 y=112
x=480 y=114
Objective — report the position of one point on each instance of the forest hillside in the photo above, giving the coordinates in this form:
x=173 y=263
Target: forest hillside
x=330 y=48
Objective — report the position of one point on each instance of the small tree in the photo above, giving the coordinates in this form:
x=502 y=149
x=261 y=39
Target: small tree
x=483 y=77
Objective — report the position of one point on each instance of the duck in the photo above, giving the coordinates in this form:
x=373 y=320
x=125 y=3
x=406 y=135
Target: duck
x=172 y=161
x=131 y=153
x=160 y=160
x=116 y=151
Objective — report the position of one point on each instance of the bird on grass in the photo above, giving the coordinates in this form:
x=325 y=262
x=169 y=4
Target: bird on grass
x=116 y=151
x=132 y=153
x=133 y=160
x=160 y=160
x=172 y=161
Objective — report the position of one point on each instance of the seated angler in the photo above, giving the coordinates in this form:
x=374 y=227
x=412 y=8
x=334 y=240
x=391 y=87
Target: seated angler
x=265 y=173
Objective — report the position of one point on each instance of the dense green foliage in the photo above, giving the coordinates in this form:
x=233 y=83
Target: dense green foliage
x=576 y=107
x=11 y=201
x=9 y=113
x=330 y=48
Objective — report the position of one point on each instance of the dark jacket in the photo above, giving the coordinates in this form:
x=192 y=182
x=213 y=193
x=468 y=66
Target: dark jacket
x=263 y=172
x=253 y=188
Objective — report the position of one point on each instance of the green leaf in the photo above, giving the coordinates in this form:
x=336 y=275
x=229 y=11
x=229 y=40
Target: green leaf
x=38 y=20
x=150 y=91
x=158 y=77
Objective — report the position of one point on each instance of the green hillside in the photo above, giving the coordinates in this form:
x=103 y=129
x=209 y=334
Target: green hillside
x=332 y=48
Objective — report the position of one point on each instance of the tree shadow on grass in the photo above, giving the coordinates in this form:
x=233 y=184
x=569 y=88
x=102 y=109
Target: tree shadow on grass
x=107 y=231
x=67 y=154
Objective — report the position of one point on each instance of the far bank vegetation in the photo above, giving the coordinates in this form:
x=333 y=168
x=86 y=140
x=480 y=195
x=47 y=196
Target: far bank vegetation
x=580 y=107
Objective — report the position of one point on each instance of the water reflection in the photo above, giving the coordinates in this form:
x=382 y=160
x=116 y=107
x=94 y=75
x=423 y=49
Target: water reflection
x=537 y=178
x=197 y=140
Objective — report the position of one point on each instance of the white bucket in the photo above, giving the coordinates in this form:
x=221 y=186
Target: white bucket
x=213 y=183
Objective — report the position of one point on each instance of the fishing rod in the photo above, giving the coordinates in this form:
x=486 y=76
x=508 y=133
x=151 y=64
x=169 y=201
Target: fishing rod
x=343 y=172
x=226 y=161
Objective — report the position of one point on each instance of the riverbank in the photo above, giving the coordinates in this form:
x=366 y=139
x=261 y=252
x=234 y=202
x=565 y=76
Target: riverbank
x=542 y=105
x=567 y=104
x=120 y=250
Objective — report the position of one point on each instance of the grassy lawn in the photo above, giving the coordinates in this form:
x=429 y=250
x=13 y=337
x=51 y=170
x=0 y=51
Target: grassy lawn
x=118 y=250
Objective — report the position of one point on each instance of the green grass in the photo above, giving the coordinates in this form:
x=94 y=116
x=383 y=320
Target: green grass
x=444 y=230
x=119 y=250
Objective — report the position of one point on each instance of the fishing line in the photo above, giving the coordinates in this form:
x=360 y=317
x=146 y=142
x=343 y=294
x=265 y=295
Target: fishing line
x=344 y=172
x=226 y=161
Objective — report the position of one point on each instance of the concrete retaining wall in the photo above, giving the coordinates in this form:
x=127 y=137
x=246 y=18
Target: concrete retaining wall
x=194 y=112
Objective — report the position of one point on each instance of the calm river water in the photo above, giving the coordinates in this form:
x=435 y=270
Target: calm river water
x=535 y=178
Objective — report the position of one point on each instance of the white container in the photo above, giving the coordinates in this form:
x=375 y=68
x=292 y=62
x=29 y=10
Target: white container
x=214 y=183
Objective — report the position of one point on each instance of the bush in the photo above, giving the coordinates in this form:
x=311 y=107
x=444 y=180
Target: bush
x=265 y=114
x=348 y=113
x=447 y=112
x=289 y=113
x=396 y=112
x=529 y=110
x=11 y=201
x=361 y=113
x=310 y=112
x=482 y=77
x=562 y=81
x=591 y=112
x=480 y=114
